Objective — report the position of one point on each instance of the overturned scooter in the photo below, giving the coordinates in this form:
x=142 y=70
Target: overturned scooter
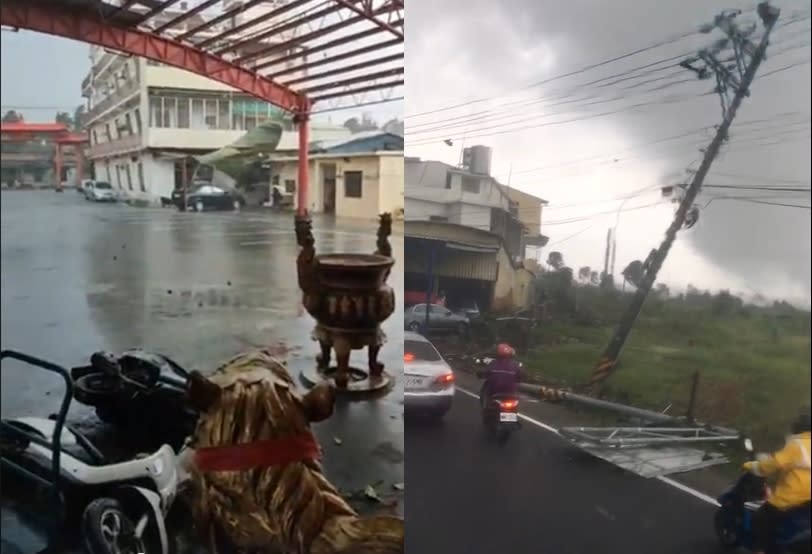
x=117 y=507
x=137 y=391
x=733 y=520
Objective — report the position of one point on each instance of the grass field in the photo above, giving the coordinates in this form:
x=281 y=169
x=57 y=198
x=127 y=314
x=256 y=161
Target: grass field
x=754 y=363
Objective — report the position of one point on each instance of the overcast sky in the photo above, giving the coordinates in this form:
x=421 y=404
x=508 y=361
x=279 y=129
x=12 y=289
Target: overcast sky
x=462 y=50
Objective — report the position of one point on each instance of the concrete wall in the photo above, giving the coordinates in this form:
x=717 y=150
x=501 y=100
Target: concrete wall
x=367 y=205
x=513 y=287
x=529 y=210
x=423 y=209
x=391 y=195
x=171 y=77
x=381 y=189
x=209 y=139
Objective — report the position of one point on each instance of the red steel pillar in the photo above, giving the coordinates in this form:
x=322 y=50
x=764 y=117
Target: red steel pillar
x=303 y=118
x=58 y=164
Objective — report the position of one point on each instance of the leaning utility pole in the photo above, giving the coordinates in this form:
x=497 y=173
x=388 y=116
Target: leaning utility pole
x=736 y=76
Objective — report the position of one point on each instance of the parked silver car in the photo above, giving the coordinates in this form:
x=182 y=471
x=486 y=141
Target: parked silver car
x=428 y=379
x=99 y=191
x=439 y=319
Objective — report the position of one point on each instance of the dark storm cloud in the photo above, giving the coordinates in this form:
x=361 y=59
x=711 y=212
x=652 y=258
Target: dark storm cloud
x=761 y=243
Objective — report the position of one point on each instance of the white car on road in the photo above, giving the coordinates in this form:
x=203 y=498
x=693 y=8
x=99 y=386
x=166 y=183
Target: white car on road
x=428 y=379
x=99 y=191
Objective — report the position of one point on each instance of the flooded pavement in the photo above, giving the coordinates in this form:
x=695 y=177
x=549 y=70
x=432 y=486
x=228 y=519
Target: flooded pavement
x=79 y=277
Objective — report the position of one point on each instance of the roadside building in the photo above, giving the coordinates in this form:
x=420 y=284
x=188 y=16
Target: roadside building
x=144 y=119
x=467 y=233
x=528 y=209
x=357 y=176
x=465 y=264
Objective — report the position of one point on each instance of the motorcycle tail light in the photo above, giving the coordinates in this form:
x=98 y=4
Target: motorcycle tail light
x=508 y=405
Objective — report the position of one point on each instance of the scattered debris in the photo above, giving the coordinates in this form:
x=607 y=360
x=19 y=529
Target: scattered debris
x=398 y=486
x=338 y=441
x=371 y=494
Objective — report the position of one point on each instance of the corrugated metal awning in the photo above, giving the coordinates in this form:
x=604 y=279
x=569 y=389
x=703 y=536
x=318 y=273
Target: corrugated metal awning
x=453 y=260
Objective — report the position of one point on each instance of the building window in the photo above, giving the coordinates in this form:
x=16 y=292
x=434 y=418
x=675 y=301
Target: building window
x=183 y=113
x=211 y=114
x=198 y=121
x=470 y=184
x=118 y=177
x=155 y=115
x=169 y=109
x=141 y=177
x=275 y=180
x=107 y=134
x=95 y=137
x=448 y=177
x=290 y=185
x=129 y=176
x=137 y=114
x=353 y=184
x=224 y=114
x=128 y=123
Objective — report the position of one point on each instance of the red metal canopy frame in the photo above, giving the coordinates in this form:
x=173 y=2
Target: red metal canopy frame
x=344 y=33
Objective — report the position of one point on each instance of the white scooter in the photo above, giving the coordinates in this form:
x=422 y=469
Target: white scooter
x=117 y=508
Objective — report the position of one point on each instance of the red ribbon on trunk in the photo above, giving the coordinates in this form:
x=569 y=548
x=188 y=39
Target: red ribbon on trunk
x=272 y=452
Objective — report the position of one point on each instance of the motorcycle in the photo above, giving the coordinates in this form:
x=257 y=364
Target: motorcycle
x=733 y=520
x=500 y=413
x=138 y=391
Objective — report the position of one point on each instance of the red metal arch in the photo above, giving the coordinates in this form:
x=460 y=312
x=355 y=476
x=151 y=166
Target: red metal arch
x=85 y=26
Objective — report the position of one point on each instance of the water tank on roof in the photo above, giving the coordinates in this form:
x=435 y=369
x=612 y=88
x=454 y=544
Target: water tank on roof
x=477 y=159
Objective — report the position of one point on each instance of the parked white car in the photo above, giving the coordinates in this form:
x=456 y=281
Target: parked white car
x=100 y=191
x=428 y=379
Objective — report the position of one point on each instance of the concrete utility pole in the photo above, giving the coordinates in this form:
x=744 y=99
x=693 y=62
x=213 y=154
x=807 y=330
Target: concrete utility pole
x=736 y=76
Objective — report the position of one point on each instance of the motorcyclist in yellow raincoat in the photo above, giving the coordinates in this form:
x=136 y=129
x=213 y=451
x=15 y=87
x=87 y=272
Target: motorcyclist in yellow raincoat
x=790 y=467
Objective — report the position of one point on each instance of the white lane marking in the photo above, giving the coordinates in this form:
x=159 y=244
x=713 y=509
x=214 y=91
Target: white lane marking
x=676 y=484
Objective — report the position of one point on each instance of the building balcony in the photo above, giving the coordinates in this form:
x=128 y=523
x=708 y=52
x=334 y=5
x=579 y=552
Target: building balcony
x=122 y=146
x=191 y=139
x=122 y=94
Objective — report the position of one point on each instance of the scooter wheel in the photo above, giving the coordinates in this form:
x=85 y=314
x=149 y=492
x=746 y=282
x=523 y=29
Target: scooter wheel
x=107 y=529
x=725 y=532
x=91 y=388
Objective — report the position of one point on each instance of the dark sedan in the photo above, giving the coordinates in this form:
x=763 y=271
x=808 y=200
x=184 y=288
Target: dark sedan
x=210 y=198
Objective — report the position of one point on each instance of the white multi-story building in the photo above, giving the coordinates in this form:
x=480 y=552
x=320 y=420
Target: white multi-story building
x=436 y=191
x=143 y=118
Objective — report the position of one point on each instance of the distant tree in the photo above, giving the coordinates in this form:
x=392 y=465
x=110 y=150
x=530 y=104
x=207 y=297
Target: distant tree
x=594 y=278
x=584 y=273
x=355 y=125
x=633 y=273
x=661 y=291
x=78 y=115
x=65 y=118
x=607 y=281
x=394 y=126
x=12 y=117
x=555 y=260
x=724 y=303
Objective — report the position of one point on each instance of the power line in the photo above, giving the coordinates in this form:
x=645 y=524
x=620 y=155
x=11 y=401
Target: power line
x=548 y=80
x=523 y=118
x=674 y=39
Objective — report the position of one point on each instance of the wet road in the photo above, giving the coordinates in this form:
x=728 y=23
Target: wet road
x=536 y=495
x=79 y=277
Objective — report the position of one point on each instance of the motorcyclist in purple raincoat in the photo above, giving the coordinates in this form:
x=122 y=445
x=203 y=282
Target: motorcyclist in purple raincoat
x=501 y=375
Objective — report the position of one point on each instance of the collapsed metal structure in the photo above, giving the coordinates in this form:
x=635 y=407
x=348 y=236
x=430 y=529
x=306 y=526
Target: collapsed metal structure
x=272 y=57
